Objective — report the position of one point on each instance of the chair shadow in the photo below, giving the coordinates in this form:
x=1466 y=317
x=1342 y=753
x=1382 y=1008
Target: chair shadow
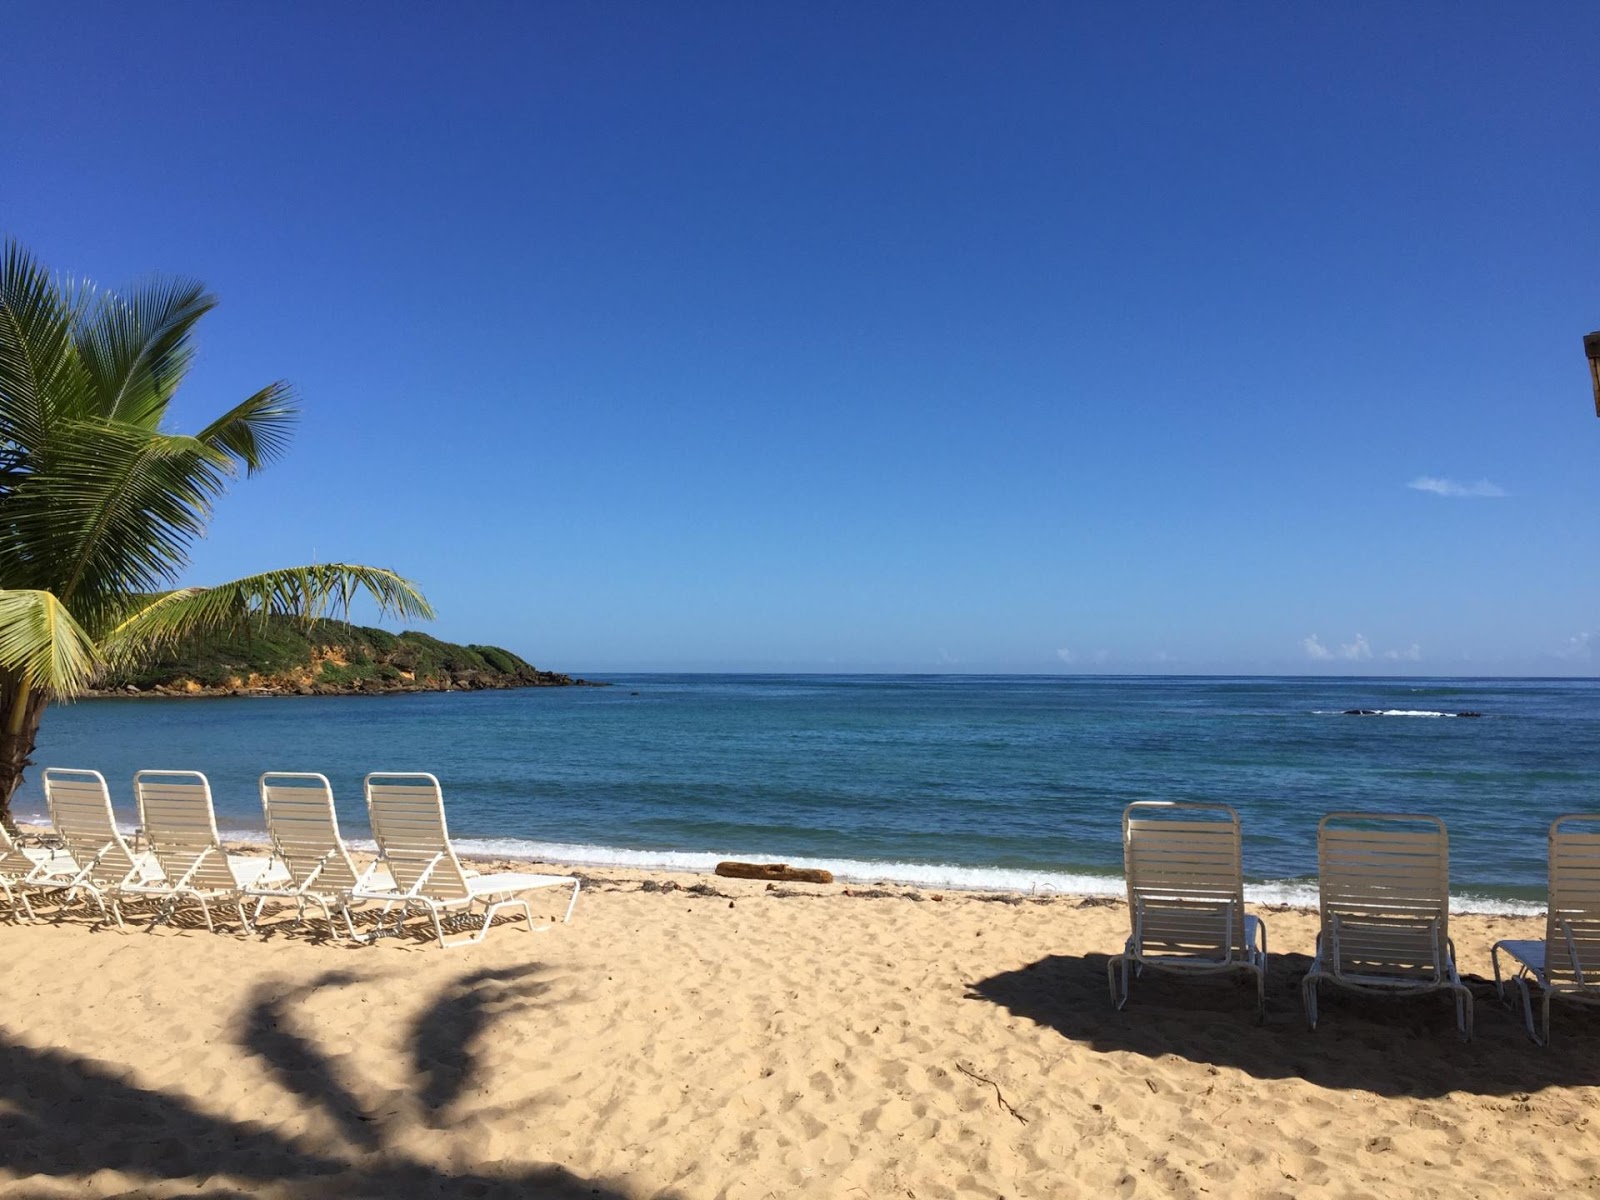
x=1394 y=1046
x=66 y=1117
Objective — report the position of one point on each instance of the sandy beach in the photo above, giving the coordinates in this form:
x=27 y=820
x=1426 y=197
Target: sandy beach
x=700 y=1037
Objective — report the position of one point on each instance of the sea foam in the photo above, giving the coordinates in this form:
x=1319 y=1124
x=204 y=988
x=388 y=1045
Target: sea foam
x=1293 y=893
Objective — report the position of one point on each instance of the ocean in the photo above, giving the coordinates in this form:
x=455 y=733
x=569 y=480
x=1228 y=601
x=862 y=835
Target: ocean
x=1008 y=782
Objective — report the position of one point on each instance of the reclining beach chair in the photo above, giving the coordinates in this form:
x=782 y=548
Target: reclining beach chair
x=304 y=828
x=407 y=814
x=180 y=823
x=1186 y=896
x=1385 y=901
x=19 y=864
x=1567 y=962
x=98 y=862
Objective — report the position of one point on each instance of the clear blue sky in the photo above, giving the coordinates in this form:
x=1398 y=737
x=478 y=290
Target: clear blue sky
x=877 y=336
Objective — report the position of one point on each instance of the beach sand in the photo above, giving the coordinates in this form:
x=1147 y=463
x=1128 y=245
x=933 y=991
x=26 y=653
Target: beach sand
x=696 y=1037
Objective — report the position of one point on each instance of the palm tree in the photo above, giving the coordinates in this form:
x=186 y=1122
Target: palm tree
x=99 y=503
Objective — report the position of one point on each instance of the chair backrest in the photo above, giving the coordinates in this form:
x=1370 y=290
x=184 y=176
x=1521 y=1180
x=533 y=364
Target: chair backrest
x=1572 y=930
x=181 y=825
x=407 y=814
x=1185 y=877
x=1384 y=881
x=304 y=828
x=80 y=809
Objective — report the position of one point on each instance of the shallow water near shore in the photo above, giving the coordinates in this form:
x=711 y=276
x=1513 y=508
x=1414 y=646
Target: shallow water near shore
x=1013 y=782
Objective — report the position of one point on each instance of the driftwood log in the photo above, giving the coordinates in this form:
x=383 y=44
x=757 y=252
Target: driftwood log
x=781 y=871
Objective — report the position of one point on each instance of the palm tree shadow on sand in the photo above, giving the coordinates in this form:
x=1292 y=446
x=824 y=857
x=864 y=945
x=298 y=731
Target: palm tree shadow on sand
x=1392 y=1046
x=63 y=1117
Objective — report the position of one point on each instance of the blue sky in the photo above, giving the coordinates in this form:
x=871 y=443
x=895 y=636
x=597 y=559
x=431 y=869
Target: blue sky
x=877 y=337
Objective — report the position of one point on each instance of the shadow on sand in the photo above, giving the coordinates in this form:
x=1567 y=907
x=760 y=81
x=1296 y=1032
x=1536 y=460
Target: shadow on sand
x=1392 y=1046
x=64 y=1118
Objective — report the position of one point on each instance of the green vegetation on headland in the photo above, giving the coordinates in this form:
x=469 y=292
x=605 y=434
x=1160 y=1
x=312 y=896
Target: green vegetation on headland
x=284 y=656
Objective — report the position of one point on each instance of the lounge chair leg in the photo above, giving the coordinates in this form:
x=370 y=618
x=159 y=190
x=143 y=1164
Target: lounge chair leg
x=1546 y=1024
x=1308 y=997
x=1499 y=986
x=1464 y=1012
x=573 y=903
x=1115 y=967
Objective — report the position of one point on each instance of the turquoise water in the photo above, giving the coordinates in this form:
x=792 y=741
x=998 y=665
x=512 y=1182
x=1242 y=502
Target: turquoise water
x=1013 y=782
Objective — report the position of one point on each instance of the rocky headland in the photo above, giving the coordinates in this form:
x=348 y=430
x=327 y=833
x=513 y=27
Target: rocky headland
x=286 y=657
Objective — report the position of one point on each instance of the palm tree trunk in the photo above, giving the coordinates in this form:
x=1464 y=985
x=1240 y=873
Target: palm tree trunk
x=21 y=710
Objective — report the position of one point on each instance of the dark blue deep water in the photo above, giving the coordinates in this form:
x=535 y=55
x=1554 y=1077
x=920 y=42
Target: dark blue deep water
x=1011 y=781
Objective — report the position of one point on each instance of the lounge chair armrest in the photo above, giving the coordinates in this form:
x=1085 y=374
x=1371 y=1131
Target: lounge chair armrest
x=193 y=867
x=311 y=875
x=422 y=879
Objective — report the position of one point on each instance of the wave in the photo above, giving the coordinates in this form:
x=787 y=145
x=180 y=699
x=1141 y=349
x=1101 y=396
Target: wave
x=1295 y=893
x=1388 y=712
x=1292 y=893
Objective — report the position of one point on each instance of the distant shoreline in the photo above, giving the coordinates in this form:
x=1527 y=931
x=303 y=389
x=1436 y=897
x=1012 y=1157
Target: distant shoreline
x=465 y=682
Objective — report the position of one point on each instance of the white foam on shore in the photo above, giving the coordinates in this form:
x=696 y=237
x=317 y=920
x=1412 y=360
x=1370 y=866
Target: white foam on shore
x=847 y=870
x=1293 y=893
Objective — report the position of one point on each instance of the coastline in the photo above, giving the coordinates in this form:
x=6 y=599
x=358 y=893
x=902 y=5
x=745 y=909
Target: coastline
x=190 y=689
x=700 y=1038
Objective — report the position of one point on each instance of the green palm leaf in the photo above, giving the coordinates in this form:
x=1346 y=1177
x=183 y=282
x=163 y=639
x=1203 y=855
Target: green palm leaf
x=114 y=513
x=137 y=348
x=256 y=431
x=40 y=372
x=43 y=646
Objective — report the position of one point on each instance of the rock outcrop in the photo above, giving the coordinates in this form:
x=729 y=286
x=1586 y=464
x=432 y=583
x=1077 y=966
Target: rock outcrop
x=284 y=657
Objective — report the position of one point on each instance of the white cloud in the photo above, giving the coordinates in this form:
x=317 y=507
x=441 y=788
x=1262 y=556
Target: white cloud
x=1483 y=489
x=1580 y=647
x=1356 y=651
x=1064 y=655
x=1412 y=653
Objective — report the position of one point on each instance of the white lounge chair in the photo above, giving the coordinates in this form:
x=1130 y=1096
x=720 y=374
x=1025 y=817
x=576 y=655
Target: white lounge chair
x=180 y=823
x=1567 y=962
x=407 y=814
x=1385 y=899
x=1186 y=896
x=19 y=864
x=304 y=828
x=98 y=861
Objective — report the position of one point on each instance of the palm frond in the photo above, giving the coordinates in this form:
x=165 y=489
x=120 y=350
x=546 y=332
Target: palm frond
x=112 y=513
x=161 y=622
x=42 y=644
x=137 y=347
x=40 y=372
x=255 y=431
